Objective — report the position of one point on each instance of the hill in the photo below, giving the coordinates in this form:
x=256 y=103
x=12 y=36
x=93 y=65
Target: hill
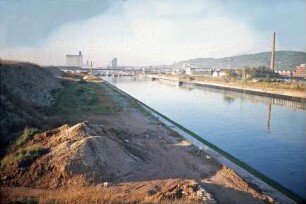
x=25 y=88
x=285 y=60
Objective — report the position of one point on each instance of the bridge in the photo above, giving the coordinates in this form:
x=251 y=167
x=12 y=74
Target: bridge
x=104 y=70
x=123 y=69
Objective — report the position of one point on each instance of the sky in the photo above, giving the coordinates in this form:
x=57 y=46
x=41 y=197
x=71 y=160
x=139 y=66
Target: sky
x=147 y=32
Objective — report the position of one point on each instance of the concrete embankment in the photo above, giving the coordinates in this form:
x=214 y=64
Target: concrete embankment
x=290 y=98
x=252 y=92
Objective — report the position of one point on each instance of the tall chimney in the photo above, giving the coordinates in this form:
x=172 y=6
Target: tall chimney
x=273 y=53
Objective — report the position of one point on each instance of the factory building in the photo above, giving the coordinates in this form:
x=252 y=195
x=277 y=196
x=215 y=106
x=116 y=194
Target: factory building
x=114 y=63
x=300 y=71
x=192 y=71
x=74 y=60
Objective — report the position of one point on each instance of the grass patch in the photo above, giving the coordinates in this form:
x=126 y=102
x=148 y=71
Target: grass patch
x=80 y=100
x=266 y=83
x=134 y=103
x=24 y=156
x=27 y=200
x=27 y=134
x=110 y=195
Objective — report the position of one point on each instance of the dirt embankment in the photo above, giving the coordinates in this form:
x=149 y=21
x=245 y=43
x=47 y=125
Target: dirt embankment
x=119 y=155
x=29 y=82
x=151 y=165
x=24 y=89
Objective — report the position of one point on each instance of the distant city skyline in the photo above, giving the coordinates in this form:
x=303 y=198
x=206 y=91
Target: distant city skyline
x=143 y=32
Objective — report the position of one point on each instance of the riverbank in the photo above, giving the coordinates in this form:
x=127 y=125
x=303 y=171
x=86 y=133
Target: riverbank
x=245 y=171
x=294 y=91
x=121 y=144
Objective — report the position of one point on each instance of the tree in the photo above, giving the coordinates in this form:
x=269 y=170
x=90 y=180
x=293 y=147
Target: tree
x=231 y=73
x=263 y=72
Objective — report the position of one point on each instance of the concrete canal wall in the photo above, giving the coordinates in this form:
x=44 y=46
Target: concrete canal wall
x=252 y=92
x=291 y=101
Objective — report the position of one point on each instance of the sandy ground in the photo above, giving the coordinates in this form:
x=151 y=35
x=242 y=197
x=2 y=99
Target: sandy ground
x=147 y=159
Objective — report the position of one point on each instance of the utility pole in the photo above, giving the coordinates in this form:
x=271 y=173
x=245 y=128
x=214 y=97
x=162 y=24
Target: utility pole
x=91 y=70
x=272 y=64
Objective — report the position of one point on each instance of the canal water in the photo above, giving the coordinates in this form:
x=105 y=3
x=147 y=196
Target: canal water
x=257 y=130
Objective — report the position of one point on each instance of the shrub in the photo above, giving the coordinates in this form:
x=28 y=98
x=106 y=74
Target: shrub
x=27 y=134
x=24 y=156
x=82 y=81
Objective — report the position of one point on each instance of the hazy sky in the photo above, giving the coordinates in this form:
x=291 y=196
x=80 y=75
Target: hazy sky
x=143 y=32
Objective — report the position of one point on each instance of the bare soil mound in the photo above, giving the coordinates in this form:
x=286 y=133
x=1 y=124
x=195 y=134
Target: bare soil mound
x=87 y=154
x=157 y=169
x=75 y=157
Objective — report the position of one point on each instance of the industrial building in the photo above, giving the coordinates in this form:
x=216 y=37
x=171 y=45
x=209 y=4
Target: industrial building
x=74 y=60
x=192 y=71
x=114 y=63
x=300 y=71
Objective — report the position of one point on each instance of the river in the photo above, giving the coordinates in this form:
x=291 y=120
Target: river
x=269 y=137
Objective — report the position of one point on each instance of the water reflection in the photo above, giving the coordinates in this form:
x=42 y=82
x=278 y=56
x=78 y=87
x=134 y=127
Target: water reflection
x=269 y=116
x=228 y=99
x=257 y=99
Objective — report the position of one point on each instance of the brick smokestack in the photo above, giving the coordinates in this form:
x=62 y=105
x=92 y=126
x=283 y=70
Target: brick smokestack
x=273 y=53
